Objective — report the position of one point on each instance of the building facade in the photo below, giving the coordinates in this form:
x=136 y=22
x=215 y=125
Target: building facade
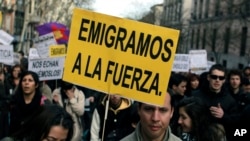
x=19 y=19
x=219 y=26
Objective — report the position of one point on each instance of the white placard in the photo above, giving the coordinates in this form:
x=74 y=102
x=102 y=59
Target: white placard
x=5 y=38
x=198 y=61
x=42 y=44
x=198 y=58
x=181 y=63
x=47 y=68
x=33 y=54
x=6 y=54
x=16 y=58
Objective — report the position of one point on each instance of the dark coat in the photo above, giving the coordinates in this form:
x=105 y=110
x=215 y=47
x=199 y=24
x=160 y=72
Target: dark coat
x=231 y=117
x=20 y=112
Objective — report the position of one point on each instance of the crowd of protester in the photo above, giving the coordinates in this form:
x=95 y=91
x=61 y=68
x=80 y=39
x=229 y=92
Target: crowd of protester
x=198 y=107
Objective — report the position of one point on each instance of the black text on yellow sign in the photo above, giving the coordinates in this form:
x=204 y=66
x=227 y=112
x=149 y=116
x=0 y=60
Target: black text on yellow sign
x=119 y=38
x=120 y=56
x=121 y=75
x=57 y=50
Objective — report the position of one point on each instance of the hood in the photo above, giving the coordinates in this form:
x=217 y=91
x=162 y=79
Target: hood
x=126 y=103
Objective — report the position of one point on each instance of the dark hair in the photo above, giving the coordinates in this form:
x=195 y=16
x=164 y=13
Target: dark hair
x=191 y=77
x=246 y=68
x=34 y=76
x=235 y=72
x=65 y=86
x=21 y=52
x=47 y=116
x=203 y=127
x=245 y=81
x=16 y=66
x=176 y=79
x=172 y=102
x=217 y=67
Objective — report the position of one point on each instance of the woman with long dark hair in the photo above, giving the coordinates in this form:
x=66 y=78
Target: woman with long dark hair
x=50 y=122
x=196 y=122
x=26 y=100
x=14 y=78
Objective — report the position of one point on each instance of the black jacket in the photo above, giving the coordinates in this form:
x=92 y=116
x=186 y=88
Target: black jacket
x=231 y=117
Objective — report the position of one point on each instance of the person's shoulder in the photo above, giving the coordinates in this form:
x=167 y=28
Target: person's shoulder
x=130 y=137
x=7 y=139
x=78 y=91
x=196 y=92
x=173 y=138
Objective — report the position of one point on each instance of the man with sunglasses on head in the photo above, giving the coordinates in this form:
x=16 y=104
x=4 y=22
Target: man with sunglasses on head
x=221 y=104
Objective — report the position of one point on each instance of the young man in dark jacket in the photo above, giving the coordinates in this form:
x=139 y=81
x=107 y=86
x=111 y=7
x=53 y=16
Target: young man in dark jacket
x=221 y=104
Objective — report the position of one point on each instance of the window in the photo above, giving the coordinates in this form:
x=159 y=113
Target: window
x=227 y=39
x=243 y=41
x=192 y=38
x=197 y=39
x=214 y=39
x=200 y=9
x=217 y=8
x=230 y=7
x=206 y=8
x=195 y=10
x=204 y=38
x=224 y=63
x=247 y=6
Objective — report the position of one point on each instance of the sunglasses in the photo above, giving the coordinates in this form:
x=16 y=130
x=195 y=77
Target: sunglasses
x=215 y=77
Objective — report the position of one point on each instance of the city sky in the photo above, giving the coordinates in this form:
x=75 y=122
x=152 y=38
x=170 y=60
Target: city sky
x=124 y=8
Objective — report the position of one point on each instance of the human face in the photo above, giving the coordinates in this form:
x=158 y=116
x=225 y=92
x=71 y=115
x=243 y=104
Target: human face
x=28 y=85
x=246 y=88
x=57 y=133
x=184 y=120
x=155 y=120
x=16 y=71
x=216 y=84
x=247 y=73
x=181 y=88
x=1 y=77
x=234 y=81
x=194 y=84
x=115 y=100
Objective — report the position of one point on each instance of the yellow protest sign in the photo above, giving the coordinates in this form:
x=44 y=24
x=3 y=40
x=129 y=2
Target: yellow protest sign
x=120 y=56
x=57 y=50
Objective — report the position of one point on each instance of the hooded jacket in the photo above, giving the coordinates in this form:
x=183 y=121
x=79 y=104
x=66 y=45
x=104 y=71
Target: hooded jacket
x=118 y=123
x=75 y=107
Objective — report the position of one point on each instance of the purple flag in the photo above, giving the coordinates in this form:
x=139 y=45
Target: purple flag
x=61 y=32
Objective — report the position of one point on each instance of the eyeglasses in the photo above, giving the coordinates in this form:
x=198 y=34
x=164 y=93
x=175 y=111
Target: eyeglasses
x=215 y=77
